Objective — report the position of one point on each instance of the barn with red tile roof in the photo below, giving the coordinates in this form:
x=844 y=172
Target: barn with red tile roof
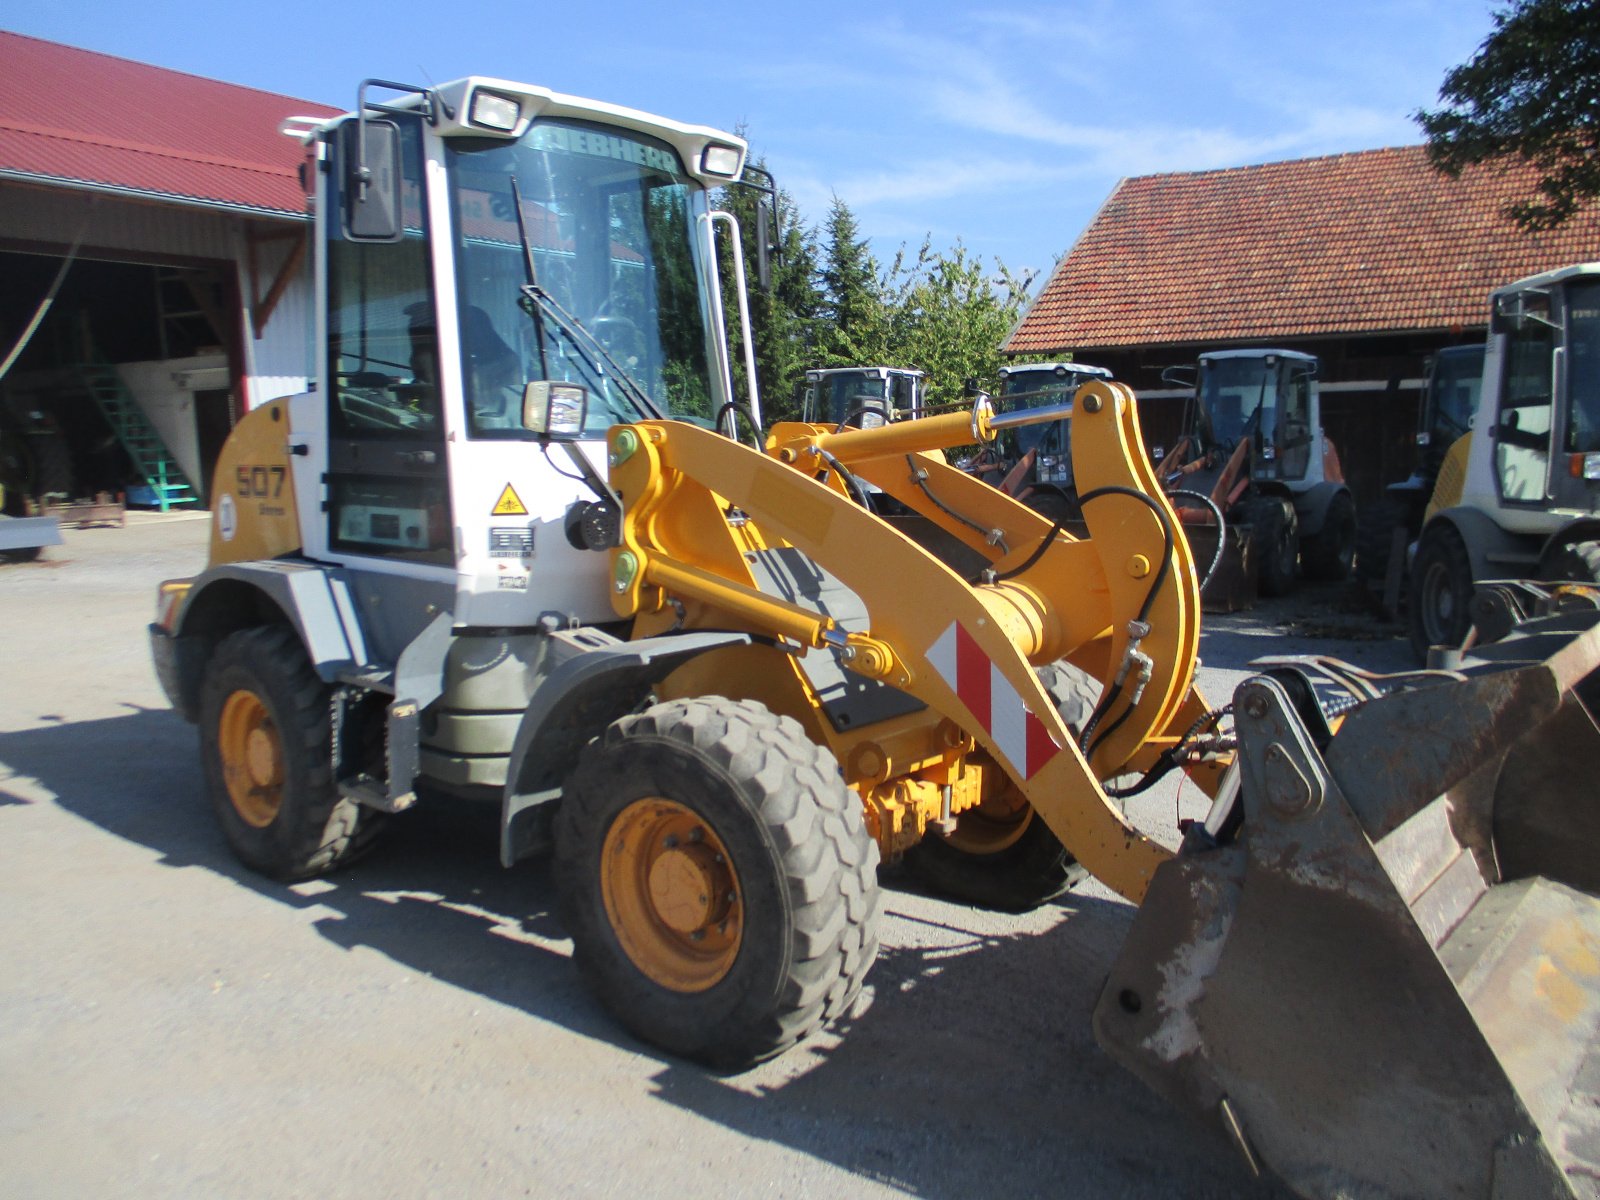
x=152 y=265
x=1370 y=260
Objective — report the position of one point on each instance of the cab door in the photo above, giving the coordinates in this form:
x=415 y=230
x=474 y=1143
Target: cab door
x=388 y=496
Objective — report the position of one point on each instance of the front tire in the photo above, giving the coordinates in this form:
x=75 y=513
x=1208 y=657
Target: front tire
x=1002 y=855
x=1277 y=546
x=717 y=879
x=1440 y=595
x=265 y=742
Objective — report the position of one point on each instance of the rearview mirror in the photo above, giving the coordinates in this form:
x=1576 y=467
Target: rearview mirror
x=370 y=155
x=555 y=411
x=1515 y=309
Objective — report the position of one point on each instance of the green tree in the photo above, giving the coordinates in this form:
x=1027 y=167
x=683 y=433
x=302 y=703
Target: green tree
x=785 y=316
x=949 y=316
x=1532 y=91
x=854 y=330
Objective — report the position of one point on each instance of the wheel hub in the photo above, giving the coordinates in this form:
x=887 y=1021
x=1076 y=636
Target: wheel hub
x=671 y=894
x=689 y=888
x=252 y=758
x=262 y=758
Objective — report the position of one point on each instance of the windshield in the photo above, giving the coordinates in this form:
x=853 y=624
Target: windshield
x=844 y=396
x=1039 y=389
x=1457 y=380
x=1237 y=397
x=610 y=219
x=1583 y=366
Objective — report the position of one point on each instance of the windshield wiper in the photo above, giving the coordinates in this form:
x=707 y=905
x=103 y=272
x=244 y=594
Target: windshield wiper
x=540 y=304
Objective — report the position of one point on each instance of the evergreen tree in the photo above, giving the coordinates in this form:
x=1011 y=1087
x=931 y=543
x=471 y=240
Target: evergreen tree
x=1532 y=91
x=786 y=314
x=855 y=326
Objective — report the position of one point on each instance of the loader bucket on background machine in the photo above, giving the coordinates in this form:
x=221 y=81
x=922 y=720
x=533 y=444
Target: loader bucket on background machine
x=1376 y=965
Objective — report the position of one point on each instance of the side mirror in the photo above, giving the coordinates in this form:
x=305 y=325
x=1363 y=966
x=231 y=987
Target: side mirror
x=555 y=411
x=370 y=156
x=763 y=247
x=1515 y=309
x=1178 y=376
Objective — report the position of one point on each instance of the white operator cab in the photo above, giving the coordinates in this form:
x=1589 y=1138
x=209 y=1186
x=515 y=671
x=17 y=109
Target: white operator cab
x=1538 y=467
x=862 y=397
x=473 y=239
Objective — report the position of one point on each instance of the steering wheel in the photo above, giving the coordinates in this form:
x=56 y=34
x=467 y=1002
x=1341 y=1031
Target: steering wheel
x=620 y=335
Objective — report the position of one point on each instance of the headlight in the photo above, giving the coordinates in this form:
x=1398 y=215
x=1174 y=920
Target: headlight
x=555 y=410
x=495 y=112
x=721 y=160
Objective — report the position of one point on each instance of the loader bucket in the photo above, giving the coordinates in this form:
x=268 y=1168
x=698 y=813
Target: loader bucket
x=1376 y=967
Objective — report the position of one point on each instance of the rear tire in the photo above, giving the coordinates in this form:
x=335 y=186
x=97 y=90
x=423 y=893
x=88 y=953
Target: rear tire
x=1439 y=607
x=1576 y=562
x=717 y=879
x=265 y=742
x=1332 y=552
x=1277 y=545
x=1003 y=856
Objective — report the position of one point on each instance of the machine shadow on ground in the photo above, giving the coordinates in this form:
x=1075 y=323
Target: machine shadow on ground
x=969 y=1069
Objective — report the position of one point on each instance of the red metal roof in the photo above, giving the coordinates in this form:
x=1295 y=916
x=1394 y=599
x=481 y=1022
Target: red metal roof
x=87 y=119
x=1375 y=241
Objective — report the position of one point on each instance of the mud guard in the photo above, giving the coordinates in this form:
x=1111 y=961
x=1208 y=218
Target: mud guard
x=596 y=679
x=1384 y=980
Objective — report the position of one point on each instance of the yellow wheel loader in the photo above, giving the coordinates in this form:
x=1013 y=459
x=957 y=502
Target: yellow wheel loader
x=502 y=551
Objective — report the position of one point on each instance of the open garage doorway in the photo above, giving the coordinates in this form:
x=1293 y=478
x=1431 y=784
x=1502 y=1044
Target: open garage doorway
x=128 y=385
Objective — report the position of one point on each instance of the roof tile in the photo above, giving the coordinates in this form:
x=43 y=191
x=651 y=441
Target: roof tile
x=1351 y=243
x=77 y=115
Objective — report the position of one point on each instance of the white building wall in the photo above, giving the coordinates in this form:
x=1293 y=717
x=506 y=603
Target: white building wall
x=279 y=363
x=165 y=390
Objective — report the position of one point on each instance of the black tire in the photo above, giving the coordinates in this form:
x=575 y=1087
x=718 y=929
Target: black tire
x=1375 y=538
x=1575 y=562
x=1053 y=505
x=1440 y=599
x=1031 y=867
x=791 y=848
x=1277 y=545
x=1332 y=552
x=265 y=734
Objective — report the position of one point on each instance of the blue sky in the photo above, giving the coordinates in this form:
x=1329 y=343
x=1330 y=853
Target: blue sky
x=1005 y=127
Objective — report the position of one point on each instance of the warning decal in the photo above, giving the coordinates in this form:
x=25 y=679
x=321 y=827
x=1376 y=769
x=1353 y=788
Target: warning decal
x=509 y=504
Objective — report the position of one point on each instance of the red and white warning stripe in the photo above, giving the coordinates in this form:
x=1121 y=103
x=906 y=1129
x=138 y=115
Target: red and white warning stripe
x=1020 y=736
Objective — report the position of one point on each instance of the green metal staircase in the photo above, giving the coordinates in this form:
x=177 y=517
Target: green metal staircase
x=138 y=436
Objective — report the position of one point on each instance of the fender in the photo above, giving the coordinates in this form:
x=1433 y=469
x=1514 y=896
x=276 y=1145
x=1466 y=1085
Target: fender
x=1493 y=553
x=314 y=600
x=1311 y=506
x=596 y=679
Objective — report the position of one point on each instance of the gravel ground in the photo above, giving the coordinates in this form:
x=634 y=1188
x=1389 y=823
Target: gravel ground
x=172 y=1025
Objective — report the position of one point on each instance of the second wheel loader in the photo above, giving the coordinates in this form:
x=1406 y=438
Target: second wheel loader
x=1519 y=496
x=1254 y=458
x=501 y=552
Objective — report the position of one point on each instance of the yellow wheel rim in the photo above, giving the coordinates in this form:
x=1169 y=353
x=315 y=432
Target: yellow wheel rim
x=671 y=894
x=995 y=825
x=252 y=758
